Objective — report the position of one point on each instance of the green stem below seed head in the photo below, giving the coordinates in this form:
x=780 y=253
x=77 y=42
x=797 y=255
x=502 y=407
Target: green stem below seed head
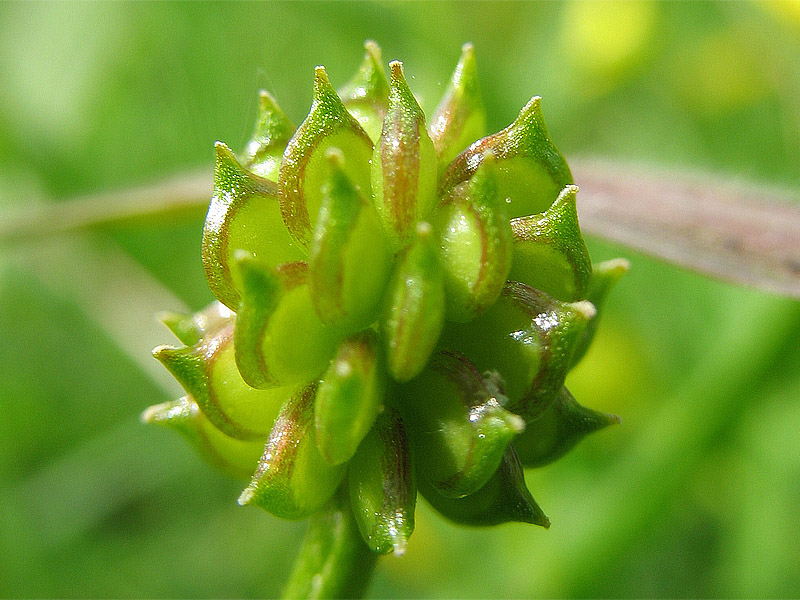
x=334 y=561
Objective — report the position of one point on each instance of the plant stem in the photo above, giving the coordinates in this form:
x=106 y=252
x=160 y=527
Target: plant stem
x=334 y=562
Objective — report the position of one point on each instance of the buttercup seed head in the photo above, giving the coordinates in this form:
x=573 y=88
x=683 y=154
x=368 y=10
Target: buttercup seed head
x=400 y=301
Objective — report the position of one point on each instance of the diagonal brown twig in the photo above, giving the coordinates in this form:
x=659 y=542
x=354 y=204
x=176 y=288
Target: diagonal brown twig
x=737 y=232
x=743 y=233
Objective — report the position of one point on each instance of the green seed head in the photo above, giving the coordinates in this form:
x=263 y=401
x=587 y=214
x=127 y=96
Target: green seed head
x=400 y=301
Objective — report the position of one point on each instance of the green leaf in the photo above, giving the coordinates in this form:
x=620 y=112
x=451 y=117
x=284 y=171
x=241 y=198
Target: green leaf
x=305 y=167
x=403 y=163
x=532 y=171
x=244 y=215
x=383 y=492
x=292 y=480
x=549 y=251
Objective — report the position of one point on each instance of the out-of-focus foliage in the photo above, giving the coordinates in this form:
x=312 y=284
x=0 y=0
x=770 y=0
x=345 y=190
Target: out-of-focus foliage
x=696 y=494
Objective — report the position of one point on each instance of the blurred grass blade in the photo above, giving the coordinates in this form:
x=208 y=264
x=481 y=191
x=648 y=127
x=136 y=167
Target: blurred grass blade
x=657 y=465
x=743 y=233
x=112 y=289
x=173 y=199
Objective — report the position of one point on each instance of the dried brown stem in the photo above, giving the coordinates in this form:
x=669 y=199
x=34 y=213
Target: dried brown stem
x=744 y=233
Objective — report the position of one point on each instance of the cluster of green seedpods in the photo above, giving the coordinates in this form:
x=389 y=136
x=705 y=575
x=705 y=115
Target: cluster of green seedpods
x=400 y=301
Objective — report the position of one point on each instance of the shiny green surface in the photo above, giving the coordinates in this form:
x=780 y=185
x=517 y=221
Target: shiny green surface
x=244 y=215
x=403 y=165
x=475 y=243
x=382 y=486
x=350 y=396
x=460 y=118
x=458 y=426
x=414 y=310
x=306 y=167
x=696 y=486
x=350 y=257
x=549 y=251
x=292 y=480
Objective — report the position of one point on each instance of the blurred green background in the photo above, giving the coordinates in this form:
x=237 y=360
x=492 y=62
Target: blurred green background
x=697 y=493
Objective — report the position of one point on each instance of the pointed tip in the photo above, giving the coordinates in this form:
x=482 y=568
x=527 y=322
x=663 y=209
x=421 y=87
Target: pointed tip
x=224 y=154
x=533 y=514
x=321 y=81
x=566 y=201
x=516 y=423
x=369 y=82
x=399 y=544
x=373 y=50
x=397 y=73
x=169 y=413
x=267 y=100
x=273 y=128
x=181 y=362
x=164 y=352
x=615 y=266
x=182 y=326
x=150 y=414
x=184 y=365
x=401 y=97
x=569 y=190
x=424 y=229
x=335 y=157
x=591 y=421
x=171 y=319
x=585 y=309
x=467 y=65
x=621 y=264
x=246 y=496
x=269 y=108
x=532 y=109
